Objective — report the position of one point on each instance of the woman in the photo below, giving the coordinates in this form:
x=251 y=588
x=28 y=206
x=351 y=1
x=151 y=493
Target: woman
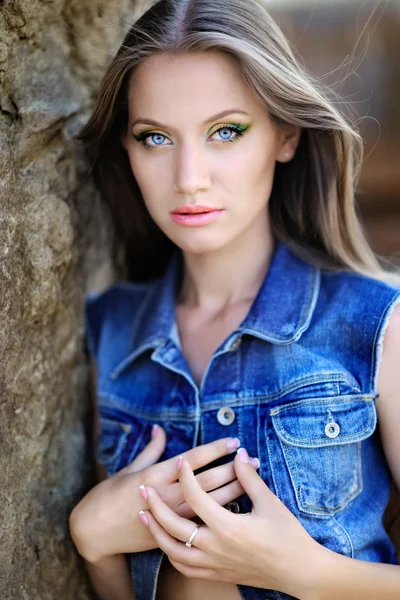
x=252 y=308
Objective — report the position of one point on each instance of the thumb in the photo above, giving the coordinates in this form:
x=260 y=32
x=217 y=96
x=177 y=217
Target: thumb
x=151 y=453
x=251 y=482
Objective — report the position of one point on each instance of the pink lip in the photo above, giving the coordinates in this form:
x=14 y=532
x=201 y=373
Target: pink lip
x=196 y=219
x=192 y=209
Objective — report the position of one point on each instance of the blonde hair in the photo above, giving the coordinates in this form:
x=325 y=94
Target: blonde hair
x=312 y=204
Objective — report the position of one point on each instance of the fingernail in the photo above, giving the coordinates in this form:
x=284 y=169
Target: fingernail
x=154 y=429
x=255 y=462
x=143 y=492
x=243 y=456
x=143 y=517
x=233 y=443
x=179 y=462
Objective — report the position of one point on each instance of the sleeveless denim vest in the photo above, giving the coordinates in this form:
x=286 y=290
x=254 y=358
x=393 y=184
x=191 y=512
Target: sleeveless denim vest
x=295 y=382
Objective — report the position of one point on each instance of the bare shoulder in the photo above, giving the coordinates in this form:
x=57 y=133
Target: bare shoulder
x=389 y=375
x=388 y=401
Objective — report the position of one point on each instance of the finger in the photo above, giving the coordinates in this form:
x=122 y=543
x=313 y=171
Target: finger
x=221 y=475
x=200 y=456
x=150 y=454
x=203 y=455
x=196 y=572
x=214 y=515
x=223 y=495
x=258 y=492
x=175 y=550
x=178 y=527
x=214 y=478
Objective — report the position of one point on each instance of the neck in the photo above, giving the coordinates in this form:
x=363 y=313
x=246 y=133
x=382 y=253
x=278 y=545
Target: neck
x=214 y=282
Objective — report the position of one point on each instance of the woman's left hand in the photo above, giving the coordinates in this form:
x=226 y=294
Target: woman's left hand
x=266 y=548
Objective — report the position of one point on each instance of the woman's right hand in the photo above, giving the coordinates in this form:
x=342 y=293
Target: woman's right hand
x=106 y=522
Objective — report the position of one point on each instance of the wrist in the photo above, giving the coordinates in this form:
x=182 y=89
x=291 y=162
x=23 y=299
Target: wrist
x=321 y=564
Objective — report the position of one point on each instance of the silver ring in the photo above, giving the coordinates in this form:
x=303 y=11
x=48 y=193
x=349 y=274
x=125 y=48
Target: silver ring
x=190 y=540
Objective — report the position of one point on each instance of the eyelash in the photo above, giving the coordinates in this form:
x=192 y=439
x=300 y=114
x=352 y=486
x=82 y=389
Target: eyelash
x=238 y=129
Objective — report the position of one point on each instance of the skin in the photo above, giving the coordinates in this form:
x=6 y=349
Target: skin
x=226 y=260
x=255 y=549
x=225 y=263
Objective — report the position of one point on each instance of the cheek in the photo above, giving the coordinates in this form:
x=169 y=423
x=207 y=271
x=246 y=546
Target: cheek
x=150 y=177
x=254 y=177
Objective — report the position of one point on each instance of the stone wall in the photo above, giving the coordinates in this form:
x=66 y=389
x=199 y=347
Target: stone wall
x=53 y=247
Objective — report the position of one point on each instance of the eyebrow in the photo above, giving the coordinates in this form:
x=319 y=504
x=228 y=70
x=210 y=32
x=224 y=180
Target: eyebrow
x=220 y=115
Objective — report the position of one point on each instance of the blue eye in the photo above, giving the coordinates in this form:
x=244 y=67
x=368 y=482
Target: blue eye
x=238 y=130
x=229 y=130
x=224 y=130
x=157 y=135
x=157 y=138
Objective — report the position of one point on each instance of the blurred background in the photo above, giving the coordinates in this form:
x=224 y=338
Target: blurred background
x=354 y=46
x=54 y=241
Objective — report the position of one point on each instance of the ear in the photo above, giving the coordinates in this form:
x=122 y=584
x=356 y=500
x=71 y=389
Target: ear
x=290 y=138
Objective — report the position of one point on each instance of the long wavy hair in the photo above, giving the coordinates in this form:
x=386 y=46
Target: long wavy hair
x=312 y=204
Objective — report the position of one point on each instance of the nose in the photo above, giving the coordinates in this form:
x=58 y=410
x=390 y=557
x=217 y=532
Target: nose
x=191 y=170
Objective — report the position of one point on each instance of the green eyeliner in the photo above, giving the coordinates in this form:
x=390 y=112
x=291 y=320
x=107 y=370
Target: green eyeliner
x=237 y=128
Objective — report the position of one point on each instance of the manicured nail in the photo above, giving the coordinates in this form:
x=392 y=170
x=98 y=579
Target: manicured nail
x=243 y=456
x=154 y=429
x=255 y=462
x=143 y=492
x=143 y=517
x=233 y=443
x=179 y=462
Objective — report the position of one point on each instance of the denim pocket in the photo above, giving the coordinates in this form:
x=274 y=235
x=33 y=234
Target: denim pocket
x=117 y=443
x=321 y=444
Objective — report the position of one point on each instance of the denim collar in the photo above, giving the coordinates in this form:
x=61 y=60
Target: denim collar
x=280 y=313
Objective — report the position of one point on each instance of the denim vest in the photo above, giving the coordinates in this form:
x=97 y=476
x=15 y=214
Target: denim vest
x=296 y=382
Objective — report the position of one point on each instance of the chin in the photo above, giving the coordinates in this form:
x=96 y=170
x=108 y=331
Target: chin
x=200 y=246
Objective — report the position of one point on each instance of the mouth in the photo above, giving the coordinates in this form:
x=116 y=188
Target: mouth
x=197 y=217
x=194 y=210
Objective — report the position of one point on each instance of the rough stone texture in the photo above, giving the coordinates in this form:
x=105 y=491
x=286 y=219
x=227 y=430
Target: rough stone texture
x=53 y=247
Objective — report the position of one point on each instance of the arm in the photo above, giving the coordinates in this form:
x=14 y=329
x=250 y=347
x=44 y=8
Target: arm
x=343 y=577
x=110 y=578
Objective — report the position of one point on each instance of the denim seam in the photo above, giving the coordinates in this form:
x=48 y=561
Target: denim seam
x=356 y=490
x=347 y=535
x=323 y=441
x=109 y=400
x=116 y=371
x=113 y=401
x=308 y=308
x=110 y=458
x=156 y=576
x=314 y=509
x=271 y=464
x=322 y=400
x=308 y=381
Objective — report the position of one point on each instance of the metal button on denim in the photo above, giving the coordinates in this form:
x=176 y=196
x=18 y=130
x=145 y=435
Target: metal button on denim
x=284 y=390
x=226 y=415
x=332 y=429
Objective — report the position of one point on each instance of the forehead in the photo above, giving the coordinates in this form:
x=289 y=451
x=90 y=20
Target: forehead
x=168 y=85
